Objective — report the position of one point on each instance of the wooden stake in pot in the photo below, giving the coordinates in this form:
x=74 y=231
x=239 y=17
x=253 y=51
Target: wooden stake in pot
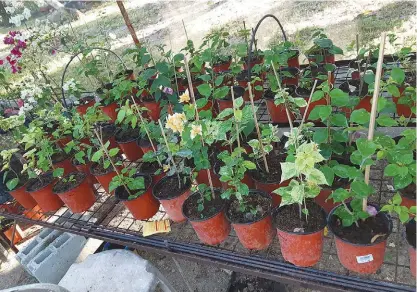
x=128 y=23
x=374 y=107
x=197 y=117
x=234 y=112
x=261 y=146
x=308 y=104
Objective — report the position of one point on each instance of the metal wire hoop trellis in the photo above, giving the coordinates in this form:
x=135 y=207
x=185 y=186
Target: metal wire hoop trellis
x=75 y=56
x=254 y=31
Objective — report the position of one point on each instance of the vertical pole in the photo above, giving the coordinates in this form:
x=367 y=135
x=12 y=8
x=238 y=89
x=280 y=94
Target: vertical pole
x=128 y=23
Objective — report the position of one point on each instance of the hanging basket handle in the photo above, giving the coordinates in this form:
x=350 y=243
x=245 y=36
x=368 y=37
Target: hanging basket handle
x=253 y=39
x=76 y=55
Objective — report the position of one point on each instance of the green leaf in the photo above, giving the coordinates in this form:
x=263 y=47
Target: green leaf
x=361 y=189
x=340 y=195
x=402 y=182
x=113 y=185
x=137 y=183
x=121 y=115
x=58 y=172
x=338 y=120
x=366 y=147
x=221 y=92
x=320 y=135
x=317 y=95
x=113 y=151
x=339 y=98
x=300 y=102
x=391 y=170
x=218 y=80
x=404 y=216
x=360 y=116
x=369 y=77
x=249 y=164
x=317 y=177
x=398 y=75
x=204 y=89
x=328 y=174
x=396 y=200
x=96 y=156
x=320 y=112
x=393 y=90
x=288 y=170
x=386 y=121
x=11 y=184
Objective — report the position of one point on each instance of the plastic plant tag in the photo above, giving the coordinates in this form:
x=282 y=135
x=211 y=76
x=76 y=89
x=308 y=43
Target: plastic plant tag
x=391 y=188
x=364 y=259
x=154 y=227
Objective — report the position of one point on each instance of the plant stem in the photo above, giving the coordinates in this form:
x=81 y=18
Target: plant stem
x=350 y=212
x=185 y=30
x=329 y=76
x=170 y=154
x=308 y=105
x=261 y=146
x=234 y=112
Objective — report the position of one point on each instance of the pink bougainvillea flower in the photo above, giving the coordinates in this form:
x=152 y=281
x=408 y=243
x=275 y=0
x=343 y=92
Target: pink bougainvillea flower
x=20 y=102
x=1 y=62
x=371 y=210
x=8 y=40
x=53 y=52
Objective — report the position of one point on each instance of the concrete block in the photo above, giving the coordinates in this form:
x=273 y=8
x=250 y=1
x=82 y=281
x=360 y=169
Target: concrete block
x=37 y=245
x=51 y=264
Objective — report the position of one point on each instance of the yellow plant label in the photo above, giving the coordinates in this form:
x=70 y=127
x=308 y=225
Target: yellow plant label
x=154 y=227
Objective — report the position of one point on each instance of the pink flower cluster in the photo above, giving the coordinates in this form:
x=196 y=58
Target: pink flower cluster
x=14 y=38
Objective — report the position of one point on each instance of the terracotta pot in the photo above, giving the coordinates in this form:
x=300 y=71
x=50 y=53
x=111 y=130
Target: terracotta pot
x=256 y=235
x=202 y=178
x=145 y=145
x=247 y=179
x=23 y=197
x=173 y=206
x=80 y=198
x=303 y=249
x=365 y=103
x=295 y=72
x=35 y=213
x=110 y=111
x=66 y=164
x=312 y=106
x=8 y=232
x=45 y=197
x=327 y=58
x=269 y=188
x=223 y=104
x=218 y=68
x=85 y=168
x=252 y=63
x=144 y=207
x=212 y=230
x=155 y=177
x=104 y=179
x=131 y=149
x=407 y=202
x=64 y=141
x=154 y=109
x=277 y=112
x=293 y=61
x=402 y=109
x=82 y=109
x=410 y=228
x=324 y=202
x=257 y=94
x=360 y=258
x=10 y=207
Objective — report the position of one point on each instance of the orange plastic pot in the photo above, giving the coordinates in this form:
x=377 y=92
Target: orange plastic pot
x=82 y=109
x=23 y=197
x=154 y=109
x=293 y=61
x=256 y=235
x=104 y=179
x=85 y=168
x=328 y=58
x=9 y=235
x=218 y=68
x=80 y=198
x=402 y=109
x=110 y=111
x=360 y=258
x=173 y=206
x=202 y=178
x=324 y=202
x=312 y=106
x=365 y=103
x=64 y=141
x=253 y=63
x=407 y=202
x=223 y=104
x=269 y=188
x=212 y=230
x=144 y=145
x=302 y=249
x=45 y=198
x=10 y=207
x=144 y=207
x=131 y=149
x=35 y=213
x=66 y=164
x=277 y=112
x=257 y=94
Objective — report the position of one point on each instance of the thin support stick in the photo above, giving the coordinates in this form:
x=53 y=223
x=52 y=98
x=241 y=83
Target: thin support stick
x=146 y=130
x=285 y=103
x=197 y=117
x=261 y=146
x=329 y=76
x=173 y=63
x=185 y=30
x=100 y=139
x=308 y=104
x=357 y=44
x=234 y=112
x=374 y=107
x=172 y=158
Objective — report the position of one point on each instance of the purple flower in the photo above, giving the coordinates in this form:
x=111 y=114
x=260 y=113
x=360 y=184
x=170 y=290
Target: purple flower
x=371 y=210
x=168 y=90
x=8 y=40
x=21 y=44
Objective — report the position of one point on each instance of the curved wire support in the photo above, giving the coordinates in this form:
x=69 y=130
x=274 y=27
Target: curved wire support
x=76 y=55
x=253 y=38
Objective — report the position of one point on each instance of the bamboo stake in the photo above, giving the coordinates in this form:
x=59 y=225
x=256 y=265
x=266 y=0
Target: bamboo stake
x=374 y=107
x=261 y=146
x=128 y=23
x=234 y=112
x=172 y=158
x=308 y=104
x=146 y=130
x=197 y=117
x=183 y=25
x=100 y=139
x=329 y=76
x=285 y=104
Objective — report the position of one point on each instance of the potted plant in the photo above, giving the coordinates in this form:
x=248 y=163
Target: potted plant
x=217 y=50
x=6 y=227
x=300 y=222
x=323 y=49
x=135 y=191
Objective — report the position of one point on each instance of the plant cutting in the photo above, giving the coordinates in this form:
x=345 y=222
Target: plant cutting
x=6 y=227
x=360 y=230
x=323 y=49
x=300 y=222
x=75 y=191
x=135 y=191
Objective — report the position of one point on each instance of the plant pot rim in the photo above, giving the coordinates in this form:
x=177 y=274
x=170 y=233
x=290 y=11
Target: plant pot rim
x=116 y=193
x=269 y=213
x=222 y=209
x=124 y=142
x=279 y=209
x=44 y=174
x=74 y=159
x=65 y=157
x=165 y=178
x=334 y=188
x=405 y=233
x=19 y=188
x=251 y=173
x=74 y=187
x=387 y=219
x=103 y=174
x=223 y=62
x=142 y=140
